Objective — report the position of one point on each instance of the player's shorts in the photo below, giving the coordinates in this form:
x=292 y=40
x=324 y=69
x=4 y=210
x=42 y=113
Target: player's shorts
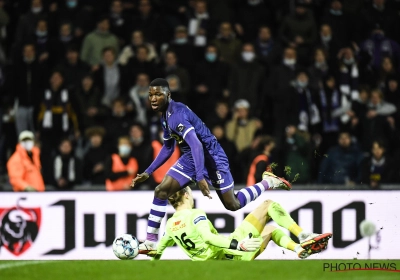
x=240 y=233
x=217 y=175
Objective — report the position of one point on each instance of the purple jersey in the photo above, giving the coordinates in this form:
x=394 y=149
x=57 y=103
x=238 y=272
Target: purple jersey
x=179 y=120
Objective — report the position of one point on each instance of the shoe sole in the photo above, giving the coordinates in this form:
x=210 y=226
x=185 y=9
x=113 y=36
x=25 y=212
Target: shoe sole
x=317 y=244
x=287 y=185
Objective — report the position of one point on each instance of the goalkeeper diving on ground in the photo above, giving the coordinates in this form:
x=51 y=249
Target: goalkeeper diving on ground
x=191 y=230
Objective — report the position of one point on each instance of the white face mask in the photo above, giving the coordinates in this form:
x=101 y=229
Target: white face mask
x=28 y=145
x=124 y=150
x=289 y=61
x=36 y=10
x=248 y=56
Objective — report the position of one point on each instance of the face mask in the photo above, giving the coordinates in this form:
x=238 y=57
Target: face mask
x=248 y=56
x=27 y=145
x=377 y=36
x=181 y=41
x=211 y=57
x=326 y=38
x=302 y=84
x=124 y=150
x=72 y=4
x=320 y=65
x=348 y=61
x=289 y=61
x=36 y=10
x=336 y=12
x=137 y=140
x=41 y=33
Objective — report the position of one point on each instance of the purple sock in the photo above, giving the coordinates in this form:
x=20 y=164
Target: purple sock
x=247 y=195
x=157 y=213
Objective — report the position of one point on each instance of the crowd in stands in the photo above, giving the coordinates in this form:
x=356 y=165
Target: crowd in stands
x=311 y=85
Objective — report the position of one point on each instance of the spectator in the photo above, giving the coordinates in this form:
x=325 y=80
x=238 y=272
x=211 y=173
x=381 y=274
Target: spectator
x=88 y=98
x=177 y=77
x=228 y=146
x=348 y=74
x=378 y=122
x=139 y=99
x=95 y=42
x=392 y=92
x=121 y=168
x=141 y=146
x=247 y=79
x=119 y=23
x=27 y=22
x=261 y=162
x=279 y=91
x=241 y=128
x=341 y=164
x=183 y=47
x=211 y=81
x=201 y=26
x=250 y=15
x=378 y=46
x=57 y=118
x=150 y=22
x=227 y=43
x=378 y=168
x=378 y=13
x=28 y=80
x=220 y=116
x=140 y=63
x=319 y=70
x=41 y=39
x=304 y=108
x=59 y=46
x=117 y=125
x=24 y=167
x=110 y=78
x=130 y=50
x=328 y=43
x=337 y=20
x=66 y=171
x=156 y=144
x=298 y=31
x=95 y=157
x=387 y=69
x=358 y=113
x=73 y=67
x=296 y=154
x=267 y=49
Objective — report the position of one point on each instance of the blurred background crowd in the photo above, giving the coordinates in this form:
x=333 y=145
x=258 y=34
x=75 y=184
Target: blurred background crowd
x=309 y=84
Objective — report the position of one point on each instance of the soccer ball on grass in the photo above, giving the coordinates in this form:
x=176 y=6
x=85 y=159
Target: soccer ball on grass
x=126 y=247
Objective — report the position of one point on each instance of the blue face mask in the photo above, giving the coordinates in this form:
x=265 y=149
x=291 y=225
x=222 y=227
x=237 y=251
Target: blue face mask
x=72 y=3
x=181 y=41
x=211 y=57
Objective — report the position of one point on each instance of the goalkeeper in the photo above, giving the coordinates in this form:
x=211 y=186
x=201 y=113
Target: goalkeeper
x=191 y=230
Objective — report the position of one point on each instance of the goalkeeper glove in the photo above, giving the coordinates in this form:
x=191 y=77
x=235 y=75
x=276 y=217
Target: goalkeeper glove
x=249 y=244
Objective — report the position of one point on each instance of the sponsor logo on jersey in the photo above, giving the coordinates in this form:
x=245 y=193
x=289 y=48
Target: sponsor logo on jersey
x=180 y=127
x=177 y=223
x=199 y=218
x=19 y=228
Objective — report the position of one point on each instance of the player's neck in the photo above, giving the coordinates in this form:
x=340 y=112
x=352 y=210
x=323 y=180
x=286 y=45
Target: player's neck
x=184 y=206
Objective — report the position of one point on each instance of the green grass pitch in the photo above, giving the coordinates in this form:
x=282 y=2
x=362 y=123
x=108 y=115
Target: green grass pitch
x=136 y=270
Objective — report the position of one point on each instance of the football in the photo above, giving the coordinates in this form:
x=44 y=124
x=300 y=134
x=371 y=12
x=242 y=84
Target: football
x=126 y=247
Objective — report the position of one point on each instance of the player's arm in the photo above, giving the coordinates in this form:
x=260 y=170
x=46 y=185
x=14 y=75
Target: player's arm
x=166 y=241
x=165 y=153
x=197 y=153
x=203 y=228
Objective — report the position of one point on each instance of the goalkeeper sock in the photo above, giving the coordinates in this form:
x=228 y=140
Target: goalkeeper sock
x=282 y=218
x=249 y=194
x=157 y=213
x=282 y=240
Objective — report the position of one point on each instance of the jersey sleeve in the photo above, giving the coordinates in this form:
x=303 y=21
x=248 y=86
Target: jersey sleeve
x=202 y=225
x=180 y=124
x=166 y=241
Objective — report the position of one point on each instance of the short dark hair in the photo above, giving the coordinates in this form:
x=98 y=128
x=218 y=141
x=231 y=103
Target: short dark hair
x=159 y=82
x=106 y=49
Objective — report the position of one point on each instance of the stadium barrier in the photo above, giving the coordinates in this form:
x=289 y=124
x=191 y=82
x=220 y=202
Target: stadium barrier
x=83 y=225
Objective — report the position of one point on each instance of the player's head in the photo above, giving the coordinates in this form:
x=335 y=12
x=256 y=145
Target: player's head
x=183 y=198
x=159 y=95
